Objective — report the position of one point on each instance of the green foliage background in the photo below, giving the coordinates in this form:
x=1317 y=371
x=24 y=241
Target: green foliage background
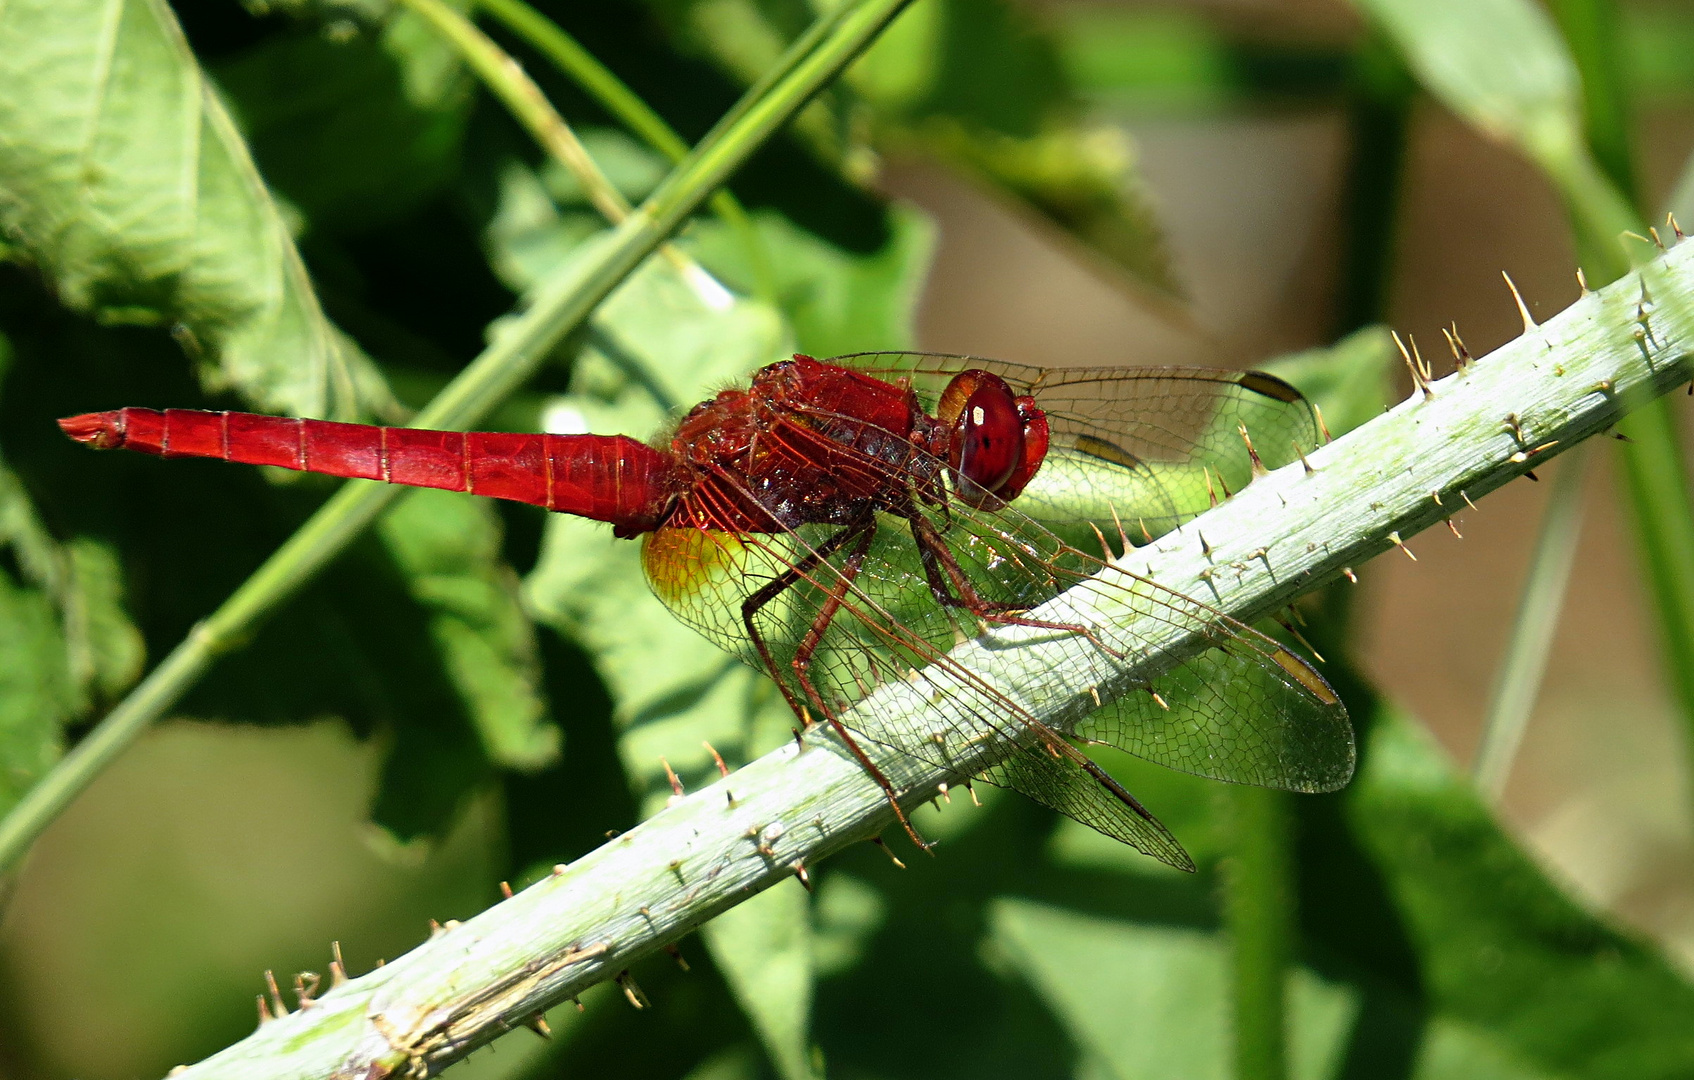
x=313 y=208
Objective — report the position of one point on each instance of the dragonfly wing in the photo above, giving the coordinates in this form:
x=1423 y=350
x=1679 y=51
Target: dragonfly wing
x=1150 y=446
x=1084 y=792
x=1246 y=711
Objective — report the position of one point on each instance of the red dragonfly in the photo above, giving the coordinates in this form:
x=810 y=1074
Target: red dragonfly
x=842 y=524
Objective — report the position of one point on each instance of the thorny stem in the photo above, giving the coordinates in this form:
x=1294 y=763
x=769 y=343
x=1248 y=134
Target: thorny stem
x=530 y=107
x=558 y=307
x=1284 y=534
x=598 y=81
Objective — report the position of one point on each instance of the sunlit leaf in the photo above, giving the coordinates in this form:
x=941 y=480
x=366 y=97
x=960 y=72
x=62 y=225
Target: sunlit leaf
x=1500 y=64
x=122 y=176
x=837 y=301
x=764 y=948
x=1148 y=1001
x=1350 y=380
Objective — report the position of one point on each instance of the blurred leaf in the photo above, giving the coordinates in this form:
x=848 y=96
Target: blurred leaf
x=1499 y=944
x=448 y=546
x=66 y=643
x=977 y=84
x=1181 y=60
x=980 y=86
x=106 y=652
x=764 y=949
x=123 y=177
x=993 y=65
x=1349 y=381
x=355 y=133
x=1500 y=64
x=744 y=39
x=36 y=695
x=836 y=301
x=1081 y=177
x=1152 y=1002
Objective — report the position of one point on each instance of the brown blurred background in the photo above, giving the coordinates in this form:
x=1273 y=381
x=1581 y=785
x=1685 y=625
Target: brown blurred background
x=1249 y=204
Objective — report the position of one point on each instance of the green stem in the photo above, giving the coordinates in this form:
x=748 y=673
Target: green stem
x=598 y=82
x=1525 y=662
x=1259 y=911
x=1600 y=191
x=1590 y=30
x=559 y=307
x=530 y=107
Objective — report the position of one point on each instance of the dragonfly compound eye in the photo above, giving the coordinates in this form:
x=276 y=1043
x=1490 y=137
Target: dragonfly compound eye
x=987 y=434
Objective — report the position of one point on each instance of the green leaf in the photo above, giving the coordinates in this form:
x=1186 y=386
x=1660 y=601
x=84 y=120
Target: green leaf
x=1147 y=1001
x=1498 y=943
x=448 y=546
x=1500 y=64
x=981 y=86
x=105 y=650
x=36 y=693
x=123 y=178
x=354 y=133
x=764 y=948
x=836 y=301
x=1349 y=381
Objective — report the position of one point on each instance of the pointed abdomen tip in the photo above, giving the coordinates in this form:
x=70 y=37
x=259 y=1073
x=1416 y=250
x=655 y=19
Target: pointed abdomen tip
x=101 y=430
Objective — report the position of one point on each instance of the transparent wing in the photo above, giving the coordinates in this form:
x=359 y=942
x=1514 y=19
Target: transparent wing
x=864 y=646
x=1158 y=445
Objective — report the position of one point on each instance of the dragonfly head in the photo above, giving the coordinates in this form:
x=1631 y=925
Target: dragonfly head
x=996 y=439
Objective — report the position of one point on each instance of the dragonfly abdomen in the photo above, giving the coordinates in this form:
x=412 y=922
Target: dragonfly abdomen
x=604 y=477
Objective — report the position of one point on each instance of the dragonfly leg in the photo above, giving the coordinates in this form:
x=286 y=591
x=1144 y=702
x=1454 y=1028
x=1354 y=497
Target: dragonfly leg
x=952 y=587
x=774 y=588
x=861 y=535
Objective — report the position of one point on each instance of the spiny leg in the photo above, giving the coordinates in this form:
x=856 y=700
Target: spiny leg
x=813 y=637
x=952 y=587
x=776 y=587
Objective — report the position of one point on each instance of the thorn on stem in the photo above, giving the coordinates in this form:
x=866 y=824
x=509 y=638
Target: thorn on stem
x=277 y=1007
x=676 y=785
x=723 y=770
x=895 y=859
x=1252 y=454
x=1301 y=454
x=676 y=954
x=505 y=890
x=631 y=991
x=1394 y=538
x=1523 y=309
x=1455 y=343
x=538 y=1024
x=306 y=985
